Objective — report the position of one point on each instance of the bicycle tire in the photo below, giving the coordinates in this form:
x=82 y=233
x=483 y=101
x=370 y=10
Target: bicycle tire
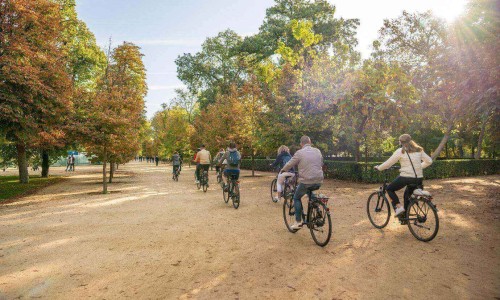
x=319 y=221
x=274 y=189
x=385 y=215
x=414 y=204
x=288 y=214
x=225 y=194
x=235 y=195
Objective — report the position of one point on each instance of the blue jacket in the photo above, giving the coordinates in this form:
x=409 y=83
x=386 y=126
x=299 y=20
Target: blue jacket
x=281 y=160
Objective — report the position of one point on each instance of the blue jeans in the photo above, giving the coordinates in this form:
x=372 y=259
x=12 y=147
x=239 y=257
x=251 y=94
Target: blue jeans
x=227 y=173
x=297 y=203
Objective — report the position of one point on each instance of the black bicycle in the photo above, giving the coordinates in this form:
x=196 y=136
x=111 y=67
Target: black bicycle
x=219 y=175
x=176 y=174
x=289 y=187
x=421 y=214
x=317 y=218
x=203 y=182
x=232 y=190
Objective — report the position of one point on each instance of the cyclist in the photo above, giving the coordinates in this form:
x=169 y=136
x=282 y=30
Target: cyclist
x=196 y=170
x=281 y=160
x=232 y=158
x=176 y=163
x=310 y=164
x=203 y=159
x=413 y=160
x=217 y=161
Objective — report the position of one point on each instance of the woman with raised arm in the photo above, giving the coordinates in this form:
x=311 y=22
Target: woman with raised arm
x=413 y=160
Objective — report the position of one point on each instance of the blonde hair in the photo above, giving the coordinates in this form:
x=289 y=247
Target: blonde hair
x=407 y=144
x=283 y=148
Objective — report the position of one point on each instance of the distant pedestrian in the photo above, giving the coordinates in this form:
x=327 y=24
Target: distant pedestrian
x=68 y=163
x=72 y=166
x=157 y=159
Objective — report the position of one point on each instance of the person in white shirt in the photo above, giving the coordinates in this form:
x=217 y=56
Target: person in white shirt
x=413 y=160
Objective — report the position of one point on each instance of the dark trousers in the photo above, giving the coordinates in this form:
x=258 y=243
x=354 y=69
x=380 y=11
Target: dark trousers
x=399 y=183
x=200 y=167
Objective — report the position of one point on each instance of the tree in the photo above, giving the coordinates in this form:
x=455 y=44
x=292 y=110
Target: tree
x=35 y=87
x=214 y=69
x=338 y=33
x=112 y=117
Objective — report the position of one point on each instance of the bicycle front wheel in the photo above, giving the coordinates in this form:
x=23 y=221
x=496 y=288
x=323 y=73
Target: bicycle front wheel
x=289 y=214
x=235 y=195
x=378 y=209
x=319 y=223
x=423 y=220
x=274 y=190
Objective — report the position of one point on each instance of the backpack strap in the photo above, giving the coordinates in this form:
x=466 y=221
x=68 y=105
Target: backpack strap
x=412 y=164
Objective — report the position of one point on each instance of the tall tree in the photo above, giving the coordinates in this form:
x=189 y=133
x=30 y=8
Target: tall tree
x=35 y=87
x=214 y=69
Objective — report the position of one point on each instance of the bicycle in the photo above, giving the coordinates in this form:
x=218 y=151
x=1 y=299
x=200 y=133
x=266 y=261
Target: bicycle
x=289 y=187
x=421 y=213
x=317 y=218
x=175 y=177
x=203 y=182
x=232 y=190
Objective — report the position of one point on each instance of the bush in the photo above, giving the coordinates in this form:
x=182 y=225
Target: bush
x=364 y=172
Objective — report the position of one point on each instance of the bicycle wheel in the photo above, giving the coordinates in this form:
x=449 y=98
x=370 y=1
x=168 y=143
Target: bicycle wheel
x=423 y=220
x=378 y=209
x=235 y=195
x=225 y=194
x=289 y=214
x=319 y=223
x=274 y=190
x=205 y=187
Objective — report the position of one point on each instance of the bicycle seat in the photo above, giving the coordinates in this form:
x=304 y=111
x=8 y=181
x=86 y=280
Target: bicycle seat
x=313 y=188
x=420 y=192
x=233 y=176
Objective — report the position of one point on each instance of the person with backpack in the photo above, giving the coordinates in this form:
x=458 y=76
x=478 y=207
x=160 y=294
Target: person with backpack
x=233 y=160
x=413 y=160
x=176 y=163
x=281 y=160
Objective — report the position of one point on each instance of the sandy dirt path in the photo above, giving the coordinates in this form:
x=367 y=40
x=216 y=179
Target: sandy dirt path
x=152 y=238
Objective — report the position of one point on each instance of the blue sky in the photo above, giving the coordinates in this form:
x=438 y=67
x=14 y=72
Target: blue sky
x=165 y=29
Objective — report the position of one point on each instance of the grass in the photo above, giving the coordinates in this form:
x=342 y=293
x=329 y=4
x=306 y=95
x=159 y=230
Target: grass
x=10 y=188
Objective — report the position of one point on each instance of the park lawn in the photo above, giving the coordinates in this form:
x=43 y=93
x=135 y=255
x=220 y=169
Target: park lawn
x=10 y=188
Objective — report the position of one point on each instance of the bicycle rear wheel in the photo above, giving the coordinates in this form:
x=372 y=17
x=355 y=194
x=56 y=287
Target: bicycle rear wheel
x=225 y=192
x=235 y=195
x=274 y=189
x=289 y=213
x=378 y=209
x=319 y=223
x=423 y=220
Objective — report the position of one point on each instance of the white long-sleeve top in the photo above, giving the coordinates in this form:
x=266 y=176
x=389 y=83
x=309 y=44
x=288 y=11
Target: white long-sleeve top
x=420 y=161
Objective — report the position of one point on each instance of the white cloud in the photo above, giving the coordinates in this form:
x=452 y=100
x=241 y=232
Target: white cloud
x=165 y=87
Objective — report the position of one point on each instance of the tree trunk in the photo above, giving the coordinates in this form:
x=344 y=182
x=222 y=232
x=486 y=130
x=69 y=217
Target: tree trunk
x=357 y=152
x=104 y=181
x=480 y=139
x=253 y=165
x=22 y=163
x=45 y=163
x=443 y=142
x=111 y=171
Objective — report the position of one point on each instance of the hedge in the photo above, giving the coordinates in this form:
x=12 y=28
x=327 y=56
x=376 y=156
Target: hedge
x=364 y=172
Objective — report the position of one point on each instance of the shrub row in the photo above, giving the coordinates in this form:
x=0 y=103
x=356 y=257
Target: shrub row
x=364 y=172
